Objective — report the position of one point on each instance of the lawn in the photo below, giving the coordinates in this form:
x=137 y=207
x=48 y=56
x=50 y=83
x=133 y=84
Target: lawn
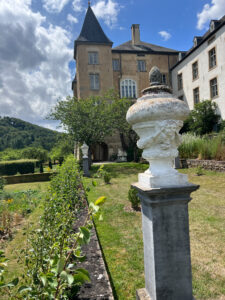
x=30 y=202
x=120 y=232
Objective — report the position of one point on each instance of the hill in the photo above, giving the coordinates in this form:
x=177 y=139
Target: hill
x=18 y=134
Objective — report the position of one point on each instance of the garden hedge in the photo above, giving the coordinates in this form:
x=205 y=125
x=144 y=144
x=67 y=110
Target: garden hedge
x=13 y=167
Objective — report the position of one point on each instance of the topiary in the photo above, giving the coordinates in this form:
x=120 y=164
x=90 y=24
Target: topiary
x=133 y=198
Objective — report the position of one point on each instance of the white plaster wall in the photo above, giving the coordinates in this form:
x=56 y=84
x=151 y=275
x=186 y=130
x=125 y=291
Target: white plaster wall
x=205 y=75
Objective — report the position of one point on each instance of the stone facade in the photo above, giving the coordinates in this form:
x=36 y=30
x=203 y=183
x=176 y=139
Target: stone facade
x=92 y=39
x=199 y=54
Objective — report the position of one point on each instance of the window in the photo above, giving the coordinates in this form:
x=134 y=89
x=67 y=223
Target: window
x=94 y=81
x=163 y=78
x=141 y=66
x=196 y=95
x=181 y=97
x=128 y=89
x=116 y=64
x=93 y=58
x=195 y=70
x=212 y=58
x=179 y=81
x=213 y=88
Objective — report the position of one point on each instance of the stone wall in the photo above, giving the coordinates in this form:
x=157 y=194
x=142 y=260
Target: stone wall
x=213 y=165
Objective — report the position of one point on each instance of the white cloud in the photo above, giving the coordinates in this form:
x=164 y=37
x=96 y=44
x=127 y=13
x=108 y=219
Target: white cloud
x=72 y=19
x=215 y=10
x=108 y=11
x=165 y=35
x=33 y=62
x=78 y=5
x=54 y=6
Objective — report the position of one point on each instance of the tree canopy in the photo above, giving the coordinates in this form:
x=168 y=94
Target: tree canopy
x=18 y=134
x=202 y=118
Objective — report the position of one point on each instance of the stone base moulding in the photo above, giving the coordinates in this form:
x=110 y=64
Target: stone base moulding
x=142 y=294
x=165 y=224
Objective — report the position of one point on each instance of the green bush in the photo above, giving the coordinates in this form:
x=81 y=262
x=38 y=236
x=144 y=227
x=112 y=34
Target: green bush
x=17 y=166
x=2 y=183
x=133 y=198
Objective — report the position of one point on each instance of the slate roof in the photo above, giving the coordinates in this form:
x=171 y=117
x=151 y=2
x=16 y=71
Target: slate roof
x=201 y=39
x=91 y=31
x=142 y=47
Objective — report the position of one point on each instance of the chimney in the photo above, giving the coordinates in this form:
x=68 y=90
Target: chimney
x=135 y=34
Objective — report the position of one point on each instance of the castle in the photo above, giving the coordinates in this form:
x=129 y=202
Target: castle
x=100 y=67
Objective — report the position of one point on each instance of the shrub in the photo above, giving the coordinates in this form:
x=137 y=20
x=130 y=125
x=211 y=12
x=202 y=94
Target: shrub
x=106 y=177
x=2 y=183
x=202 y=119
x=17 y=166
x=133 y=198
x=102 y=173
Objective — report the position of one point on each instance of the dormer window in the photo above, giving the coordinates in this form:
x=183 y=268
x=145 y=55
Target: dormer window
x=195 y=42
x=212 y=26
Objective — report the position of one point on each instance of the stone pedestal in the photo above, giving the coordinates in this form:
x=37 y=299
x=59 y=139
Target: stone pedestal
x=166 y=242
x=86 y=167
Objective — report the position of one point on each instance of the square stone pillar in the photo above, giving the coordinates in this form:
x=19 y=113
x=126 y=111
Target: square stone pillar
x=167 y=259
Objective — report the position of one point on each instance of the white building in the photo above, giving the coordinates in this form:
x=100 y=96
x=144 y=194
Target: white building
x=200 y=73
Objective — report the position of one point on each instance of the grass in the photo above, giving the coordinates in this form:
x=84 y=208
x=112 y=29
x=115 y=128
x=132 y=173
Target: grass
x=120 y=232
x=12 y=248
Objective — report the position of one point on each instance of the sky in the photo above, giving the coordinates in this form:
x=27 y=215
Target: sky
x=37 y=38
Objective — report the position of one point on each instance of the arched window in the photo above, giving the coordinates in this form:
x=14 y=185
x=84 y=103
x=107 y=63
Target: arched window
x=128 y=88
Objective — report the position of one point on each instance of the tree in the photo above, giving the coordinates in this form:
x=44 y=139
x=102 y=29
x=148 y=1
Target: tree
x=91 y=120
x=202 y=119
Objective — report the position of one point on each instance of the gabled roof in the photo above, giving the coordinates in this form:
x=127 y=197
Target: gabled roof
x=91 y=32
x=142 y=47
x=209 y=33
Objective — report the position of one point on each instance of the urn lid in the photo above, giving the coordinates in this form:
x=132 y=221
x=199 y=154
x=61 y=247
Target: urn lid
x=157 y=103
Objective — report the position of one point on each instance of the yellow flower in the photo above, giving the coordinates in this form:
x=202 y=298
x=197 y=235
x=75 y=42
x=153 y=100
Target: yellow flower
x=9 y=200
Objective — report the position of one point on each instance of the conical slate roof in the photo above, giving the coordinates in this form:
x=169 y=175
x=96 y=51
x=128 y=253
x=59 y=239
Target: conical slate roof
x=91 y=31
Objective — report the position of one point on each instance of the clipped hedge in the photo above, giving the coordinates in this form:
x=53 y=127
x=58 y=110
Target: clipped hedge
x=17 y=166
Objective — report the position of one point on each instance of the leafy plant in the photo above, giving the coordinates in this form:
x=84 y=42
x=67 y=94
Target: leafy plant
x=102 y=173
x=54 y=248
x=199 y=171
x=133 y=198
x=2 y=183
x=202 y=119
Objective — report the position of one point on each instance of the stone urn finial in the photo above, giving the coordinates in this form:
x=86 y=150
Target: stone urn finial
x=155 y=77
x=157 y=118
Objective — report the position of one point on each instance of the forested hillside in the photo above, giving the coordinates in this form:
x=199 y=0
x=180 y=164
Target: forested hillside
x=18 y=134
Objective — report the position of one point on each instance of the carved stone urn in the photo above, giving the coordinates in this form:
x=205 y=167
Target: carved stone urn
x=157 y=118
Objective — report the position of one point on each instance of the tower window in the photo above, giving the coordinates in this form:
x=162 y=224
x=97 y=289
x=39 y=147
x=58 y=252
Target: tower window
x=116 y=64
x=212 y=58
x=93 y=58
x=128 y=89
x=94 y=81
x=213 y=88
x=141 y=66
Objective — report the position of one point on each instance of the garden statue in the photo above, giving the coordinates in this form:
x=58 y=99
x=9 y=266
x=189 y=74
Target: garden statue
x=84 y=149
x=157 y=118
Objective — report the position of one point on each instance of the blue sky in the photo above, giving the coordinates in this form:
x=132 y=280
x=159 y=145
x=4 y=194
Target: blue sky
x=37 y=36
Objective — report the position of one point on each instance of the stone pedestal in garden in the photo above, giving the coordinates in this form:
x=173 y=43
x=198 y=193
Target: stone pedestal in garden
x=164 y=192
x=166 y=242
x=84 y=149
